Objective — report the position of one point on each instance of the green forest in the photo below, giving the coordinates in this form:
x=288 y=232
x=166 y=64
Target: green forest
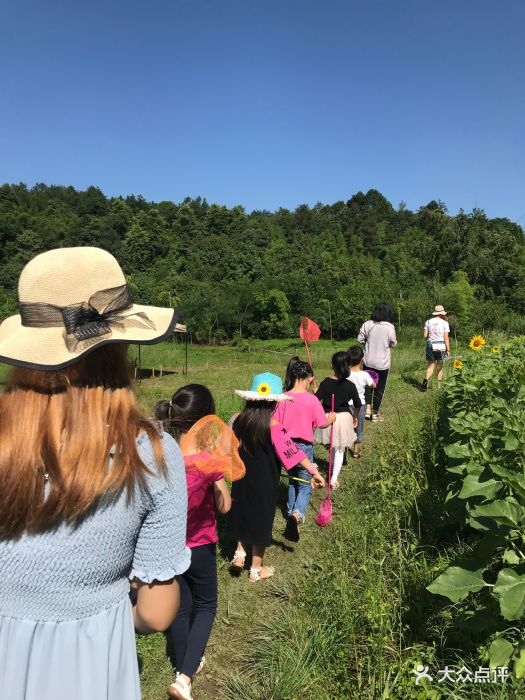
x=238 y=275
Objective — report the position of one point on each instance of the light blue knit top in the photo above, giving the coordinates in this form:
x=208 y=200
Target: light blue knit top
x=76 y=573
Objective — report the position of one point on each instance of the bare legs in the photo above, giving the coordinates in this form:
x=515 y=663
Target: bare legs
x=257 y=559
x=430 y=370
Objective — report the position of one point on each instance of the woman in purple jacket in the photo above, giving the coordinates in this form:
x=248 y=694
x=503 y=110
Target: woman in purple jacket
x=379 y=335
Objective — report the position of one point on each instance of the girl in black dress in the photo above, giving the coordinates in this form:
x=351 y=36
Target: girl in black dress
x=264 y=446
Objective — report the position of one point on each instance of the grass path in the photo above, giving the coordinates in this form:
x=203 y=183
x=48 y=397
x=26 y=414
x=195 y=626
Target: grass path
x=315 y=560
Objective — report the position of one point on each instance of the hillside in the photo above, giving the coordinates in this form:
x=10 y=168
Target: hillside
x=239 y=274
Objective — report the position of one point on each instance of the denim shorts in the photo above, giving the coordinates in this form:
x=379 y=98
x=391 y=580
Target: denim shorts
x=434 y=355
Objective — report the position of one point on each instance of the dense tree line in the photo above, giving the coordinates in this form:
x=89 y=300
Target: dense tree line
x=235 y=274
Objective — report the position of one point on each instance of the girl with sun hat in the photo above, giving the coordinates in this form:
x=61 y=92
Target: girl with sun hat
x=264 y=445
x=92 y=496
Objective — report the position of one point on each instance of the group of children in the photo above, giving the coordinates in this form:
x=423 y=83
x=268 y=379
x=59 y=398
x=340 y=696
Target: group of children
x=274 y=428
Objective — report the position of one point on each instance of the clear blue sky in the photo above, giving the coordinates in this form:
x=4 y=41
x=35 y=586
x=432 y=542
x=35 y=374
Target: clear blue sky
x=268 y=103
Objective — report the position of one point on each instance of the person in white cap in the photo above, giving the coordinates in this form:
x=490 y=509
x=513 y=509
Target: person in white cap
x=436 y=331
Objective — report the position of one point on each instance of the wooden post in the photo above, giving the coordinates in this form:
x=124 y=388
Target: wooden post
x=186 y=351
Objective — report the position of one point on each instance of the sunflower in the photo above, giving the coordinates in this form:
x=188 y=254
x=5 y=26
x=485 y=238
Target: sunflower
x=495 y=348
x=458 y=364
x=264 y=389
x=477 y=342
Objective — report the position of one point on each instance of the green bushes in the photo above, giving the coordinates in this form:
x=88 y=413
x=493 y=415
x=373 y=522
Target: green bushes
x=483 y=412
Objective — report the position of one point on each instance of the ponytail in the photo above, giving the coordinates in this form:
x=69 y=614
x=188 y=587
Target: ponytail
x=296 y=369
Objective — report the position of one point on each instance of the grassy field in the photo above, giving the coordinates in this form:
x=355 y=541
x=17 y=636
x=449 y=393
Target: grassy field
x=329 y=624
x=342 y=618
x=346 y=614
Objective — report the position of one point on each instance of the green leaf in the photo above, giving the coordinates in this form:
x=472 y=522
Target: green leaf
x=503 y=512
x=456 y=583
x=513 y=479
x=511 y=443
x=472 y=486
x=457 y=451
x=510 y=587
x=500 y=652
x=510 y=557
x=519 y=666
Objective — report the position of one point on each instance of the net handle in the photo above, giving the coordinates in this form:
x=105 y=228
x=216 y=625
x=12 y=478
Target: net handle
x=330 y=449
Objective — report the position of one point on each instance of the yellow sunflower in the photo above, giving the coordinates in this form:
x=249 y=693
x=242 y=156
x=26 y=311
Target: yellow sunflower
x=458 y=364
x=495 y=348
x=264 y=389
x=477 y=342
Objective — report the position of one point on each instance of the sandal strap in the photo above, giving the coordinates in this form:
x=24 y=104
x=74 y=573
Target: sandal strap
x=182 y=681
x=238 y=555
x=256 y=573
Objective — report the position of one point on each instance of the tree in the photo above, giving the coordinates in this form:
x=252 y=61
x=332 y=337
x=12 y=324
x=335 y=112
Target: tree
x=458 y=299
x=272 y=314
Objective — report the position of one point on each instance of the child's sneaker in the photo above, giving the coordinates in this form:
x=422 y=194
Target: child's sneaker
x=424 y=385
x=368 y=414
x=377 y=418
x=292 y=529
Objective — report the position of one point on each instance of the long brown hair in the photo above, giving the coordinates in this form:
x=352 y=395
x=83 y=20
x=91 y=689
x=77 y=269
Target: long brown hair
x=62 y=426
x=252 y=425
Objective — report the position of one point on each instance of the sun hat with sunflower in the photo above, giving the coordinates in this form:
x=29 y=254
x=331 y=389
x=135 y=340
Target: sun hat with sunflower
x=265 y=387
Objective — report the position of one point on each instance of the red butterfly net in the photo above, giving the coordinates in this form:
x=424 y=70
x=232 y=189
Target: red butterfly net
x=214 y=448
x=309 y=330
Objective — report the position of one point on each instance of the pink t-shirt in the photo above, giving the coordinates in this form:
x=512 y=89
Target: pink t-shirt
x=202 y=520
x=287 y=451
x=301 y=415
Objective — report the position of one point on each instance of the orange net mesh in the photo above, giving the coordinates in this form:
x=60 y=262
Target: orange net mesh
x=214 y=448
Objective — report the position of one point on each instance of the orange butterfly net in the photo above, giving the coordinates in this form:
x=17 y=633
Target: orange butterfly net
x=213 y=448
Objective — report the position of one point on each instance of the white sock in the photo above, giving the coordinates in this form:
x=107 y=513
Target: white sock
x=339 y=453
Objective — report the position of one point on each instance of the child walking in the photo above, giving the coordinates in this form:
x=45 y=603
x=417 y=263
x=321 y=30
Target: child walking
x=361 y=379
x=207 y=493
x=300 y=416
x=264 y=445
x=346 y=418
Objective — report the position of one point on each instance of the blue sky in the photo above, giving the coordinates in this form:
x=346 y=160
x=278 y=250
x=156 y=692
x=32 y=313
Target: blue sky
x=269 y=103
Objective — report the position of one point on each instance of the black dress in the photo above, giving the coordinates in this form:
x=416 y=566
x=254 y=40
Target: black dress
x=254 y=498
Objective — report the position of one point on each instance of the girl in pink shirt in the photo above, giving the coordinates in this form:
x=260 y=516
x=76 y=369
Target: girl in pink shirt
x=207 y=493
x=300 y=416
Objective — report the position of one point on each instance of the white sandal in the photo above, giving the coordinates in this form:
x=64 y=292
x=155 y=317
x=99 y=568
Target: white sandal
x=180 y=689
x=237 y=568
x=254 y=575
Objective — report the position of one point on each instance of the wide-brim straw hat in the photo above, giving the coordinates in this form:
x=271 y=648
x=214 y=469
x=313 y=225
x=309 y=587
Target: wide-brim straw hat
x=72 y=301
x=265 y=387
x=439 y=311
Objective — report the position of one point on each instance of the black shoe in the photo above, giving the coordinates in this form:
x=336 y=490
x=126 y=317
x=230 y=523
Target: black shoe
x=424 y=385
x=292 y=529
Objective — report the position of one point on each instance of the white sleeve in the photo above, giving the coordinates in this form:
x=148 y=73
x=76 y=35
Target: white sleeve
x=446 y=328
x=426 y=325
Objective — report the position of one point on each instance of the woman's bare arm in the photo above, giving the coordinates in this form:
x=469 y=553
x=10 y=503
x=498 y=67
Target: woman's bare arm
x=157 y=605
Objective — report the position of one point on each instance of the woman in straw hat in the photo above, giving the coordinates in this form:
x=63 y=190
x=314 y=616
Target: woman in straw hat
x=436 y=332
x=92 y=496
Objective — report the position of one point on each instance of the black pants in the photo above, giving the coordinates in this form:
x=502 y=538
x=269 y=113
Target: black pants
x=375 y=396
x=188 y=635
